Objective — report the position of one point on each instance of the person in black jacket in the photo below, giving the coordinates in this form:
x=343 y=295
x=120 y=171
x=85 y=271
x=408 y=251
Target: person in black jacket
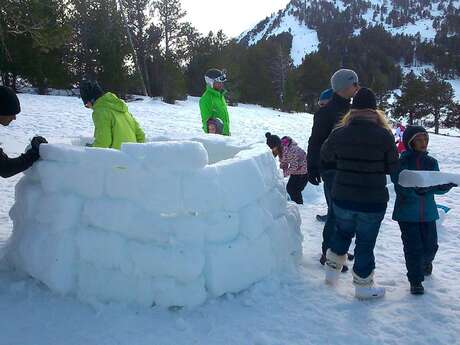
x=363 y=151
x=345 y=84
x=9 y=108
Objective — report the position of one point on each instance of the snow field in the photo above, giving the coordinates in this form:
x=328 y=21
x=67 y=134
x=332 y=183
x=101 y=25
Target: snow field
x=154 y=224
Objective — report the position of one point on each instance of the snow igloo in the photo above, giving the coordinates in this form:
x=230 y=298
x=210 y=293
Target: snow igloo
x=168 y=223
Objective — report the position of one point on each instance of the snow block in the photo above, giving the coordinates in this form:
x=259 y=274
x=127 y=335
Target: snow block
x=181 y=263
x=58 y=211
x=154 y=224
x=57 y=177
x=48 y=257
x=221 y=227
x=159 y=192
x=170 y=155
x=105 y=285
x=236 y=266
x=202 y=191
x=422 y=179
x=125 y=219
x=241 y=183
x=255 y=220
x=91 y=243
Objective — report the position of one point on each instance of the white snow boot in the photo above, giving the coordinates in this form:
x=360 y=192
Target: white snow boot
x=365 y=289
x=334 y=264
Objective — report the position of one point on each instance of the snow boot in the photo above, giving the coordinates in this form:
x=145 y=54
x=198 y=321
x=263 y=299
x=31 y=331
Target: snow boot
x=365 y=288
x=323 y=260
x=334 y=265
x=428 y=270
x=417 y=289
x=322 y=219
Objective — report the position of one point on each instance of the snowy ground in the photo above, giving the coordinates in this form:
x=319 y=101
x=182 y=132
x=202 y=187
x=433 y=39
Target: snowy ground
x=300 y=310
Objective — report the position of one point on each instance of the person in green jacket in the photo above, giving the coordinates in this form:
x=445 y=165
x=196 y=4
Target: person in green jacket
x=113 y=123
x=212 y=103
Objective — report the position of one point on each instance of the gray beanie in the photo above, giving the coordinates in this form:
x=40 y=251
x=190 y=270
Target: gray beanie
x=343 y=78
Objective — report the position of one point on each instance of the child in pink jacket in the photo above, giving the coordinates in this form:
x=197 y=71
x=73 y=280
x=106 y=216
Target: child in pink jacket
x=293 y=162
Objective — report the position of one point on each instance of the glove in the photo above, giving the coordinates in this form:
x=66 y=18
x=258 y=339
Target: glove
x=37 y=141
x=35 y=145
x=314 y=177
x=446 y=187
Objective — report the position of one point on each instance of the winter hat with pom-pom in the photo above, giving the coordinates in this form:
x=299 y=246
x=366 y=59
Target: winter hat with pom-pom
x=272 y=140
x=9 y=102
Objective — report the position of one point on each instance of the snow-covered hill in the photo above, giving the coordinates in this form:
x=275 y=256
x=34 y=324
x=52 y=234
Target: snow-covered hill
x=304 y=20
x=302 y=310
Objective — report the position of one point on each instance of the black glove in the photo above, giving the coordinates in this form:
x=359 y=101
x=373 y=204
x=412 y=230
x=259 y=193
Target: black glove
x=314 y=177
x=37 y=141
x=446 y=187
x=35 y=146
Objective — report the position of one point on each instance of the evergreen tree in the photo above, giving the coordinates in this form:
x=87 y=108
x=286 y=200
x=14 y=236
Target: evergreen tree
x=33 y=35
x=438 y=98
x=411 y=102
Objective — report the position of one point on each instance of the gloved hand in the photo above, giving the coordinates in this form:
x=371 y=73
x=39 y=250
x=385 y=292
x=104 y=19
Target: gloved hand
x=446 y=187
x=37 y=141
x=314 y=177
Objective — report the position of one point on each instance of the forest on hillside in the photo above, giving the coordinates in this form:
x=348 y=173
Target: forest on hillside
x=148 y=47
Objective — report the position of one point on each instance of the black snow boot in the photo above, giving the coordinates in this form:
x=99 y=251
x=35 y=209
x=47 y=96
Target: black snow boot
x=417 y=289
x=428 y=270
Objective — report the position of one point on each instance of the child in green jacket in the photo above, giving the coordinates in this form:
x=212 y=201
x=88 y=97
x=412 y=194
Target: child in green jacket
x=113 y=123
x=212 y=103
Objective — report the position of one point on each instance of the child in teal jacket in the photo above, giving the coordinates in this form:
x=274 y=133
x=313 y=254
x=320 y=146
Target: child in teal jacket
x=416 y=210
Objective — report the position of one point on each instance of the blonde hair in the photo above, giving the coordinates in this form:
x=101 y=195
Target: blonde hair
x=378 y=116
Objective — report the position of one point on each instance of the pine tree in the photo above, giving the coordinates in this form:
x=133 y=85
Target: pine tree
x=438 y=97
x=171 y=15
x=411 y=102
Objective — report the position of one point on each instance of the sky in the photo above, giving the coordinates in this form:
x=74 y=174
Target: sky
x=232 y=16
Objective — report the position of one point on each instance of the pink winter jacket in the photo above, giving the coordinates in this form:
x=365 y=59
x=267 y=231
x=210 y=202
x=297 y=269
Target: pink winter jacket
x=293 y=160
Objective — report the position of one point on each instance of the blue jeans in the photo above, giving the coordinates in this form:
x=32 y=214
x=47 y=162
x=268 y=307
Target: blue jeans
x=365 y=226
x=328 y=177
x=420 y=247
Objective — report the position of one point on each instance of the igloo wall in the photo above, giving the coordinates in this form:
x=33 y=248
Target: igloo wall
x=153 y=224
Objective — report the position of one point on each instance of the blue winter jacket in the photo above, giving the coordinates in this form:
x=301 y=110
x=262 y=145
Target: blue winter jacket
x=409 y=206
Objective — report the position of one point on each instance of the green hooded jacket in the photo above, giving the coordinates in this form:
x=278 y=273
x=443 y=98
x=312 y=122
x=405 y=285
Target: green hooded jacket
x=114 y=124
x=213 y=105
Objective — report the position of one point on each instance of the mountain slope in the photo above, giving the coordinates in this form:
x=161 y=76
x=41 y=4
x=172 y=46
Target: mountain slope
x=310 y=21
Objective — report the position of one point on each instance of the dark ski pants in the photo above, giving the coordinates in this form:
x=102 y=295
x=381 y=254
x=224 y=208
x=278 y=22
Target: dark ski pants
x=365 y=226
x=328 y=177
x=420 y=242
x=295 y=186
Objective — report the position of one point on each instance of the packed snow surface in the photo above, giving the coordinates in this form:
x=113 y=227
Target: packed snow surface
x=298 y=309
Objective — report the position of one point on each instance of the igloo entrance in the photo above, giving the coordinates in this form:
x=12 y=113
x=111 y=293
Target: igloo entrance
x=153 y=223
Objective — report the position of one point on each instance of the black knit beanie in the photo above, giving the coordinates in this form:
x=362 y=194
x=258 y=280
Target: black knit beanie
x=9 y=102
x=364 y=99
x=272 y=140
